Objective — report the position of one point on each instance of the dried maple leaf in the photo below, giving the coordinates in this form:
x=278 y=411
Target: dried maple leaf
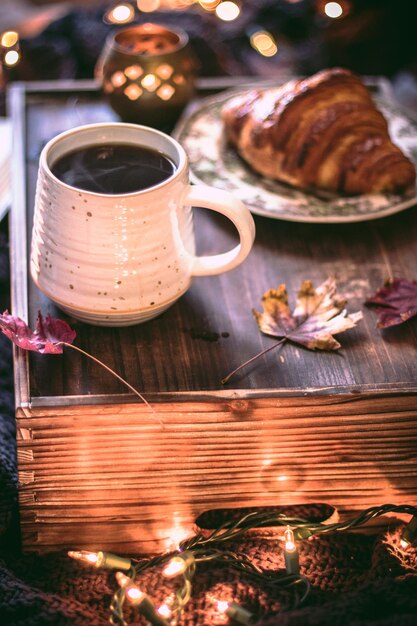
x=49 y=337
x=394 y=303
x=318 y=315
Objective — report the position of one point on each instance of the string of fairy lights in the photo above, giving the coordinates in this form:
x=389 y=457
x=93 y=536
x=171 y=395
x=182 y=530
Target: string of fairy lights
x=264 y=42
x=180 y=566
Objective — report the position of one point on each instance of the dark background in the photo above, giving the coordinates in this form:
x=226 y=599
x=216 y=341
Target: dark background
x=371 y=37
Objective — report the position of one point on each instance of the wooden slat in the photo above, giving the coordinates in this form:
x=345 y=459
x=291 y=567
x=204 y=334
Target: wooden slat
x=112 y=475
x=18 y=236
x=309 y=406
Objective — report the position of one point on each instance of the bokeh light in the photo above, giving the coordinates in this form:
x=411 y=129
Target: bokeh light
x=11 y=57
x=120 y=14
x=333 y=9
x=147 y=6
x=9 y=39
x=209 y=5
x=264 y=43
x=227 y=11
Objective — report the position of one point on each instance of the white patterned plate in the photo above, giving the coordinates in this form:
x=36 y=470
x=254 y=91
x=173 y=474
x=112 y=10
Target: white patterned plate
x=214 y=162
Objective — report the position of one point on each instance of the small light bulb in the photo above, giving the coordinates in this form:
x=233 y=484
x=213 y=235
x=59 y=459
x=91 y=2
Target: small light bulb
x=235 y=612
x=178 y=565
x=165 y=611
x=122 y=579
x=409 y=534
x=174 y=568
x=101 y=559
x=141 y=600
x=84 y=556
x=290 y=546
x=133 y=593
x=292 y=564
x=222 y=606
x=289 y=540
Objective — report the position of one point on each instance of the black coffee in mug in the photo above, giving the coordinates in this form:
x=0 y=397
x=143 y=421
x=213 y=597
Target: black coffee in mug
x=113 y=168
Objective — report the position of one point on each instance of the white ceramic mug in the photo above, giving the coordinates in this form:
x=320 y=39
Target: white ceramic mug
x=121 y=259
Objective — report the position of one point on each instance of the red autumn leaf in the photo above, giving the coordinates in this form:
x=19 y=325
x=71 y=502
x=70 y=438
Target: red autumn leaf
x=395 y=303
x=48 y=338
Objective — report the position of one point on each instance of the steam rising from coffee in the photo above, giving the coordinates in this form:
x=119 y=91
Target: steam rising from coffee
x=113 y=168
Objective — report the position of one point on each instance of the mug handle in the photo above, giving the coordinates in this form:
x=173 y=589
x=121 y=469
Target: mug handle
x=223 y=202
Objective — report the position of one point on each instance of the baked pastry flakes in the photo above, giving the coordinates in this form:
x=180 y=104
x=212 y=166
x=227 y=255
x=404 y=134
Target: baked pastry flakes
x=322 y=132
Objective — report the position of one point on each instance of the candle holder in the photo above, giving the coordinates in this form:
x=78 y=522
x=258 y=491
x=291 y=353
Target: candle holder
x=148 y=73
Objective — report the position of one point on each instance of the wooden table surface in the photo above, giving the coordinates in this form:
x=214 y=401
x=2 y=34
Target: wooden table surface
x=295 y=427
x=211 y=329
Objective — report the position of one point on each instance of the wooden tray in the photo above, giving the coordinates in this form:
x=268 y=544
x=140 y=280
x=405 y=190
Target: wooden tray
x=96 y=467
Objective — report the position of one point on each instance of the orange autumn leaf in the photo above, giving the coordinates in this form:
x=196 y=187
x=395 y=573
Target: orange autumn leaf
x=318 y=315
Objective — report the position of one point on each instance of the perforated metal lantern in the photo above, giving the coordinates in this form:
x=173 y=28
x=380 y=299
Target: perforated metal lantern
x=148 y=73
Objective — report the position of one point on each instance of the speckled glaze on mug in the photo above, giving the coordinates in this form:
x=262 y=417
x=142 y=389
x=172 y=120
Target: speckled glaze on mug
x=122 y=259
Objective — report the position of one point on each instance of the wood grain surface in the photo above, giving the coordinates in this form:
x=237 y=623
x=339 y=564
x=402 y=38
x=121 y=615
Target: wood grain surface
x=120 y=478
x=98 y=469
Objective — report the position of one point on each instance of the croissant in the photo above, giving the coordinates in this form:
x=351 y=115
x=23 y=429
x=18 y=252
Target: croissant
x=321 y=132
